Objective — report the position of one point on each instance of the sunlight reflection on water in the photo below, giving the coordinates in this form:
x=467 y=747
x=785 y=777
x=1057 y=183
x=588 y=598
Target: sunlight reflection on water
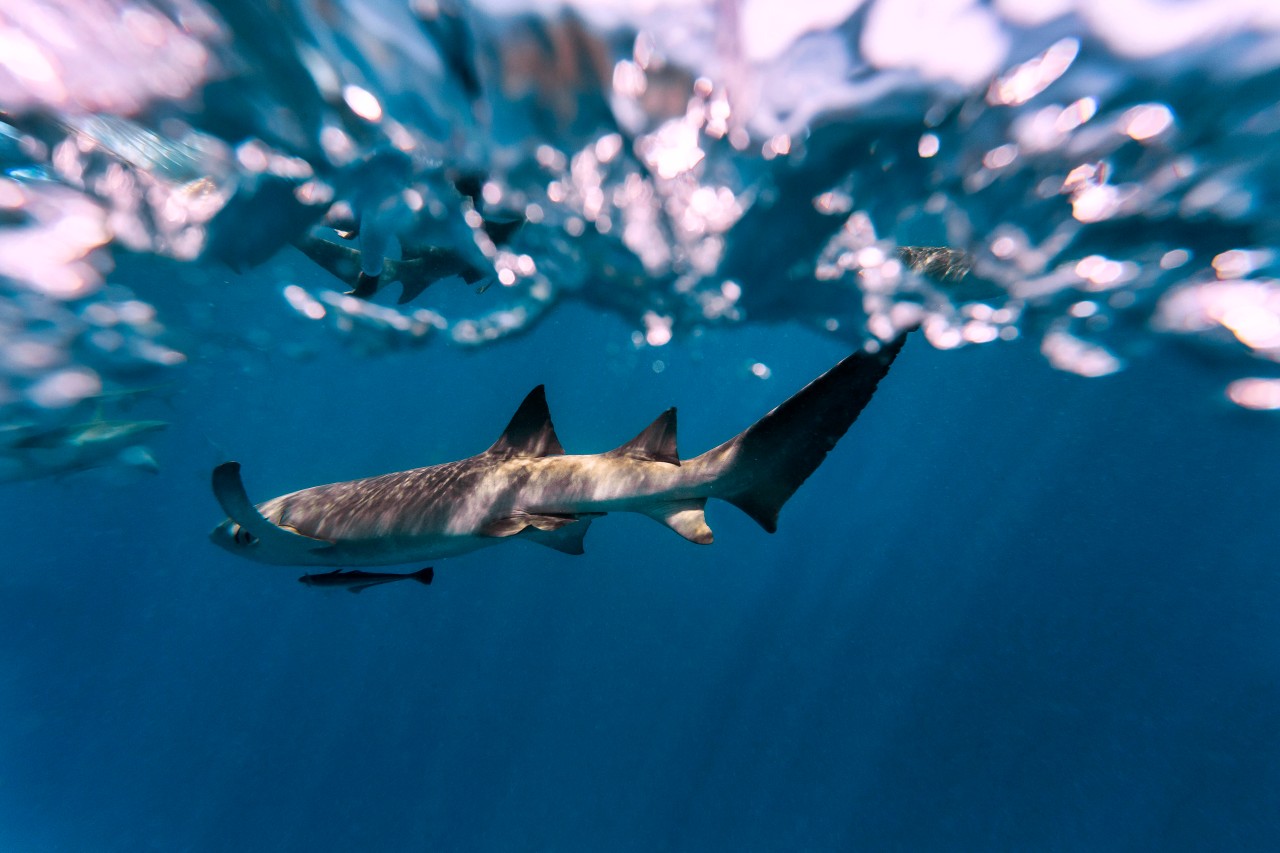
x=1091 y=177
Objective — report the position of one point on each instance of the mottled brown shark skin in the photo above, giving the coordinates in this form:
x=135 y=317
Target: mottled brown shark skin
x=526 y=487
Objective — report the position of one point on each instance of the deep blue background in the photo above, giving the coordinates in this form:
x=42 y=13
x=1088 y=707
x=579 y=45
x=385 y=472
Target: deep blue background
x=1015 y=609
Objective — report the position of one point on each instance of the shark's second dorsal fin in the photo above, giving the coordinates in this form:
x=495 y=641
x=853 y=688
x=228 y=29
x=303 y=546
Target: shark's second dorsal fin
x=656 y=443
x=530 y=432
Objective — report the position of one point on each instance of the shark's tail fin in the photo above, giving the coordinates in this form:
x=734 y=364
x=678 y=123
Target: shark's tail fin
x=764 y=465
x=424 y=576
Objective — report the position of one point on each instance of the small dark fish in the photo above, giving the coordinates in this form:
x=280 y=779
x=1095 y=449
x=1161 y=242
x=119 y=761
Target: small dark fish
x=358 y=581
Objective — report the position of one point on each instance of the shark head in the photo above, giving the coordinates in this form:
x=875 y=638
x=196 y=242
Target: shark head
x=230 y=536
x=248 y=533
x=277 y=546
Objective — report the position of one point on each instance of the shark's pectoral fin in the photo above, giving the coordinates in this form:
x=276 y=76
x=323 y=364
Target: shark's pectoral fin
x=564 y=533
x=518 y=521
x=567 y=538
x=228 y=488
x=413 y=279
x=549 y=522
x=500 y=528
x=429 y=265
x=684 y=517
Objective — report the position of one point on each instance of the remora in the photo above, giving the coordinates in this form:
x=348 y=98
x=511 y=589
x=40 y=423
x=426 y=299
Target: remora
x=526 y=487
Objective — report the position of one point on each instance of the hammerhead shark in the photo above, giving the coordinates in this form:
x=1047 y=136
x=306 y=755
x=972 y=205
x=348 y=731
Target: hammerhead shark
x=526 y=487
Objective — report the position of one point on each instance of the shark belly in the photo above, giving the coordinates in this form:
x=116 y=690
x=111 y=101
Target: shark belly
x=395 y=551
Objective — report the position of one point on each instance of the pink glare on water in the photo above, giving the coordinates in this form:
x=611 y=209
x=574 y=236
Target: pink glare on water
x=657 y=329
x=54 y=251
x=1257 y=394
x=107 y=56
x=362 y=102
x=1146 y=121
x=65 y=388
x=1250 y=310
x=1067 y=352
x=1031 y=78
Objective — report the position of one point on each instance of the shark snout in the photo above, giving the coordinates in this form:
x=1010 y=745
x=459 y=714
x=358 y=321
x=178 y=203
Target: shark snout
x=222 y=535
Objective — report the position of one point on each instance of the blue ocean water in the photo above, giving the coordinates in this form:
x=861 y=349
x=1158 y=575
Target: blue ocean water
x=1016 y=609
x=1030 y=601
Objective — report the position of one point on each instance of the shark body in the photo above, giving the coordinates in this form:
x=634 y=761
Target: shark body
x=29 y=452
x=526 y=487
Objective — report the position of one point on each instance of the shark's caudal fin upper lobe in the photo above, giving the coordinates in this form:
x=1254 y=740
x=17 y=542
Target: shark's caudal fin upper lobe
x=769 y=461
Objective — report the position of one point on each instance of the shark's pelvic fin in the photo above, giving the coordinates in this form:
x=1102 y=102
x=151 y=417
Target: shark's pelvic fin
x=685 y=518
x=530 y=432
x=656 y=443
x=228 y=488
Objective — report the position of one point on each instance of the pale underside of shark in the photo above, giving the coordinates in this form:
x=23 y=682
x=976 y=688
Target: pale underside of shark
x=526 y=487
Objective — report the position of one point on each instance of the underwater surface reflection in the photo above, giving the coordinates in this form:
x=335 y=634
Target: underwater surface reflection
x=1029 y=602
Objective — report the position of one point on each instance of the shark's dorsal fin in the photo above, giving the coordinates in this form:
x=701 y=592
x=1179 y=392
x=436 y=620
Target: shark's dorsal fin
x=656 y=443
x=684 y=517
x=228 y=488
x=530 y=432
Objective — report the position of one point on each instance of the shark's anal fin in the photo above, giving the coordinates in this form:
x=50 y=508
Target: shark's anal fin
x=684 y=517
x=530 y=432
x=656 y=443
x=229 y=490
